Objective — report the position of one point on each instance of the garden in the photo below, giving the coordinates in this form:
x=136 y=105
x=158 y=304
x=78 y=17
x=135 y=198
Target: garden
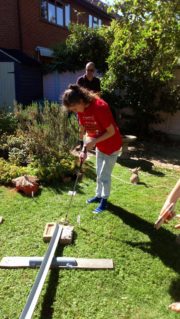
x=145 y=278
x=37 y=141
x=139 y=52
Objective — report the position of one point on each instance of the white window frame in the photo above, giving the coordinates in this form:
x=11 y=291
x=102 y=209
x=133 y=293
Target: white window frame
x=94 y=22
x=57 y=4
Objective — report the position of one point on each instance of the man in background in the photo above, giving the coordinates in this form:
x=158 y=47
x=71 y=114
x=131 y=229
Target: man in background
x=89 y=81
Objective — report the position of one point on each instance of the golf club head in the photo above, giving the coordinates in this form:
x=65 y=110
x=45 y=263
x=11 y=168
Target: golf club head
x=72 y=193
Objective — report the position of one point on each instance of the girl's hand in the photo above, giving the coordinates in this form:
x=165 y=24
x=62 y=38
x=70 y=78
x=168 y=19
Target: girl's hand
x=83 y=154
x=168 y=211
x=90 y=145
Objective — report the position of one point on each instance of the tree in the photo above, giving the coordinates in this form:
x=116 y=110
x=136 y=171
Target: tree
x=83 y=45
x=142 y=58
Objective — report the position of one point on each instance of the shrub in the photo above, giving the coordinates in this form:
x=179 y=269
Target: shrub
x=4 y=146
x=15 y=148
x=8 y=122
x=42 y=143
x=48 y=129
x=55 y=170
x=9 y=171
x=83 y=45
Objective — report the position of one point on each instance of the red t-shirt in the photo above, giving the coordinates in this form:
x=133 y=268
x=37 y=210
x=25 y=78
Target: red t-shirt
x=96 y=118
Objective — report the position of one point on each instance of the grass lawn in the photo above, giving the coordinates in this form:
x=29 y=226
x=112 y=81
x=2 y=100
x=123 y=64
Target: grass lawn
x=147 y=262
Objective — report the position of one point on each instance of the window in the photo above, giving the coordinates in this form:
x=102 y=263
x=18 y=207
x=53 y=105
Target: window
x=94 y=22
x=67 y=15
x=44 y=11
x=56 y=12
x=51 y=13
x=60 y=16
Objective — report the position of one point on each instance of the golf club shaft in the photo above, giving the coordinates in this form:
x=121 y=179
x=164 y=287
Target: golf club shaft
x=71 y=198
x=84 y=150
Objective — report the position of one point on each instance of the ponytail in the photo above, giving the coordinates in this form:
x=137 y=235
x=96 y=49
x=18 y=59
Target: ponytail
x=74 y=94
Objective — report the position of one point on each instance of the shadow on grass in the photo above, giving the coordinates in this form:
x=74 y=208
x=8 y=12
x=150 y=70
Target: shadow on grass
x=88 y=171
x=163 y=244
x=47 y=309
x=174 y=289
x=145 y=165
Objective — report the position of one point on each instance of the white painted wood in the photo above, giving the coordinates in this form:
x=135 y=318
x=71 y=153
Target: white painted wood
x=50 y=86
x=7 y=85
x=58 y=262
x=54 y=84
x=34 y=262
x=170 y=125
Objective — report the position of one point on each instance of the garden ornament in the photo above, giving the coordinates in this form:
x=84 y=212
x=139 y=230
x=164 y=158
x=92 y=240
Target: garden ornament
x=27 y=184
x=134 y=179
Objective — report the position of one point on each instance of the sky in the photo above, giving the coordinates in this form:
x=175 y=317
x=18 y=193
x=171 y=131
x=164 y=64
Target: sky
x=108 y=1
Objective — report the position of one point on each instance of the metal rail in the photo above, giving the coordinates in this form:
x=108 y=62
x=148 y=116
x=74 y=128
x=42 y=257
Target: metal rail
x=41 y=276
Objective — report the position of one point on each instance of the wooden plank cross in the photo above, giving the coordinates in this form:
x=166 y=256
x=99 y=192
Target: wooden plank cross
x=47 y=262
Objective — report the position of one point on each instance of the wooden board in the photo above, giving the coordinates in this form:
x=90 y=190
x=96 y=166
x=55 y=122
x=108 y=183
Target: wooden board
x=58 y=262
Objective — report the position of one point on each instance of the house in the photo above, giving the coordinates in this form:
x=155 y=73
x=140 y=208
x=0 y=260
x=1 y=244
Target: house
x=21 y=78
x=32 y=28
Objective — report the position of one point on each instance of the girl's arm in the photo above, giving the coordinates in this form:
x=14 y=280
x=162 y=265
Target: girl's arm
x=110 y=131
x=172 y=197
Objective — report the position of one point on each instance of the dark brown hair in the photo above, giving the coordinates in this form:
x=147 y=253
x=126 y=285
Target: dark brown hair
x=74 y=94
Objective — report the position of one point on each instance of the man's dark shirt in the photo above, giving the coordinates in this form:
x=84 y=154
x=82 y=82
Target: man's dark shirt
x=93 y=85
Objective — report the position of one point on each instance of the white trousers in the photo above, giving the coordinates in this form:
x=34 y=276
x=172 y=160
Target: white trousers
x=104 y=167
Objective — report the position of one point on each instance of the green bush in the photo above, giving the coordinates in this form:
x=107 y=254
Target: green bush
x=18 y=156
x=15 y=148
x=8 y=122
x=142 y=59
x=4 y=146
x=42 y=143
x=48 y=129
x=55 y=170
x=83 y=45
x=9 y=171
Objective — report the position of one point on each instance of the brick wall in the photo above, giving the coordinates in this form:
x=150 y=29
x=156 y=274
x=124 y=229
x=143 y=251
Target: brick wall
x=35 y=30
x=39 y=32
x=9 y=32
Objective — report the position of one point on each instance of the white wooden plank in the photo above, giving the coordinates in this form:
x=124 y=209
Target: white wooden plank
x=58 y=262
x=33 y=262
x=87 y=263
x=7 y=86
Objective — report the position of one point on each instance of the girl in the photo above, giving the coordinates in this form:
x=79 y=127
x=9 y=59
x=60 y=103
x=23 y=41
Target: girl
x=95 y=118
x=172 y=198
